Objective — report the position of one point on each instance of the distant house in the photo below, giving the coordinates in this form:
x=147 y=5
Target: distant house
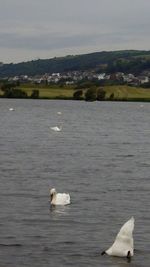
x=128 y=78
x=69 y=82
x=101 y=76
x=143 y=79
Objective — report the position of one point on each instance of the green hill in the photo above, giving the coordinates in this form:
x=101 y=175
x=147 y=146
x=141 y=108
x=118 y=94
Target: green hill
x=128 y=61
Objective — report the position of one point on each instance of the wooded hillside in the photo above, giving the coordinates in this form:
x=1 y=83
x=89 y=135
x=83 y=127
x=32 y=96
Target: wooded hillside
x=128 y=61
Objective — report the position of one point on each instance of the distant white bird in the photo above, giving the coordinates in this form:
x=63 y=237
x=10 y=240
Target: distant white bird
x=56 y=128
x=59 y=113
x=59 y=198
x=11 y=109
x=123 y=245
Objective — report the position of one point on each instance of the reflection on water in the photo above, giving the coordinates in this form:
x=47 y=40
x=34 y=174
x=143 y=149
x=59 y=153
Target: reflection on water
x=101 y=157
x=58 y=210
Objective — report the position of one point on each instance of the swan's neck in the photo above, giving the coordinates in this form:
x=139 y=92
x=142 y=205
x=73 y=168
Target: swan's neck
x=53 y=198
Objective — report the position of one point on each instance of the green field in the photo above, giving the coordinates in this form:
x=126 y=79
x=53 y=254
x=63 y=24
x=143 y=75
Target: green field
x=50 y=92
x=120 y=92
x=126 y=93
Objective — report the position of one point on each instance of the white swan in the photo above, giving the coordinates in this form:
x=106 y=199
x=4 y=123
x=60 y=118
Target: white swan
x=56 y=128
x=11 y=109
x=59 y=198
x=123 y=245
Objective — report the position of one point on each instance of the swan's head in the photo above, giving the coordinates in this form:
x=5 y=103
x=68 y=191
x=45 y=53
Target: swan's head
x=52 y=193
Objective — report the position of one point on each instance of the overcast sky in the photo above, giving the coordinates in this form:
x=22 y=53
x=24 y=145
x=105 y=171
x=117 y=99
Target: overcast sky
x=31 y=29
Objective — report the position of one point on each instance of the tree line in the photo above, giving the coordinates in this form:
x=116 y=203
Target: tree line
x=10 y=90
x=91 y=94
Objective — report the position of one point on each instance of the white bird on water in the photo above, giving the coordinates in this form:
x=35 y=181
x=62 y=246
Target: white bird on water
x=123 y=245
x=59 y=198
x=56 y=128
x=11 y=109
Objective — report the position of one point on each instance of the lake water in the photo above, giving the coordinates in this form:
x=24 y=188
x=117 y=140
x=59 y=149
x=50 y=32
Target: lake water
x=101 y=157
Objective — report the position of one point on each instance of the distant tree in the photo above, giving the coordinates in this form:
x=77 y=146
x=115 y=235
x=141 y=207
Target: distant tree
x=15 y=93
x=100 y=94
x=11 y=92
x=6 y=86
x=35 y=94
x=78 y=95
x=145 y=85
x=111 y=97
x=91 y=94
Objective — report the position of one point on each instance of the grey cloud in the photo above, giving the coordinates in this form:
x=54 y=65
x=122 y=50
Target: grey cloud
x=45 y=41
x=35 y=25
x=53 y=41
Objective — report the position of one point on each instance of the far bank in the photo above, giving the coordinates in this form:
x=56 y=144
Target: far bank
x=105 y=93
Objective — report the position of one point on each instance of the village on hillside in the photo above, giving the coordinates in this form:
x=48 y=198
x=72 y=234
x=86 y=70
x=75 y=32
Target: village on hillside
x=73 y=77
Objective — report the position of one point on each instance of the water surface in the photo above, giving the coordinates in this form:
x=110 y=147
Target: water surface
x=101 y=157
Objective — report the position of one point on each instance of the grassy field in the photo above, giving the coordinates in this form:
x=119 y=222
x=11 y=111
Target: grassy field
x=120 y=92
x=125 y=92
x=49 y=92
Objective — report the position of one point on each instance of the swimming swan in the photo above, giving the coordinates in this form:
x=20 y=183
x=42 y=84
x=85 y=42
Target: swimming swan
x=56 y=128
x=123 y=245
x=59 y=198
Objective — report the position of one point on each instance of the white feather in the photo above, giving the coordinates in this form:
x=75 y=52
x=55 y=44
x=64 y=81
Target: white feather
x=59 y=198
x=124 y=241
x=56 y=128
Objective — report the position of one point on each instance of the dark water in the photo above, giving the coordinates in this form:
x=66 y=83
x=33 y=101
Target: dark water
x=101 y=157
